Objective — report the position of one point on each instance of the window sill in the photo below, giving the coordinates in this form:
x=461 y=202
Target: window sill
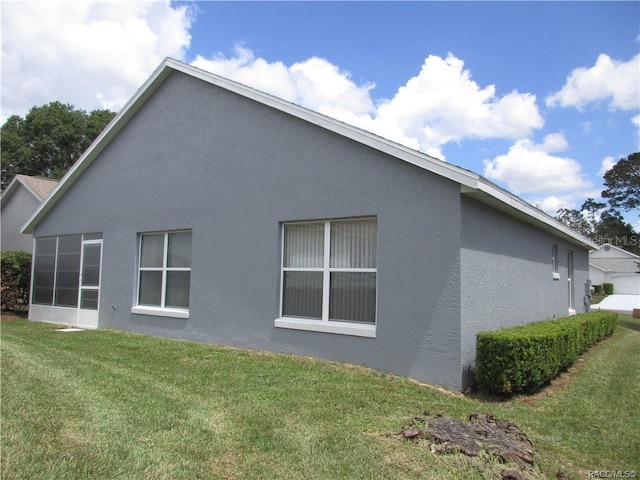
x=556 y=276
x=340 y=328
x=160 y=312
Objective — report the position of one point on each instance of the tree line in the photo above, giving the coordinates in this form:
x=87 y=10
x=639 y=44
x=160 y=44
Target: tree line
x=50 y=138
x=603 y=221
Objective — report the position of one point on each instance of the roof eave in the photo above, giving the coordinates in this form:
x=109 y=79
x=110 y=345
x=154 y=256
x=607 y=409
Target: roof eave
x=496 y=197
x=470 y=182
x=14 y=185
x=101 y=141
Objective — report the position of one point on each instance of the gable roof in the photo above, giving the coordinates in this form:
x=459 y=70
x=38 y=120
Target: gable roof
x=471 y=184
x=39 y=187
x=610 y=258
x=606 y=250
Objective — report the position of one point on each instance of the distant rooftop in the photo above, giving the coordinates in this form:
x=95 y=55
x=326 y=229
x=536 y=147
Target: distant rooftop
x=40 y=186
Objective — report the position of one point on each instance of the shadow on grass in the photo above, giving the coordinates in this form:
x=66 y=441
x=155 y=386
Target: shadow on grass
x=630 y=325
x=11 y=314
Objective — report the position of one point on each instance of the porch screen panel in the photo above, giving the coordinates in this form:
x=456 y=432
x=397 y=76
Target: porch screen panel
x=89 y=299
x=68 y=271
x=91 y=266
x=44 y=270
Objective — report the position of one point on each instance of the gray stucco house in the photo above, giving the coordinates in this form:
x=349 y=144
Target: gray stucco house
x=210 y=211
x=19 y=200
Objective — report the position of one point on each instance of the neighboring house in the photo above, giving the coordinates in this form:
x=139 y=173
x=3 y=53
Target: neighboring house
x=210 y=211
x=611 y=264
x=19 y=200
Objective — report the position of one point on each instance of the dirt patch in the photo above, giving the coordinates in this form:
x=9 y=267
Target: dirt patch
x=561 y=381
x=482 y=434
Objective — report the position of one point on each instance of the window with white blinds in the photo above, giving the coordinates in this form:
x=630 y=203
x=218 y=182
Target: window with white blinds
x=329 y=270
x=165 y=270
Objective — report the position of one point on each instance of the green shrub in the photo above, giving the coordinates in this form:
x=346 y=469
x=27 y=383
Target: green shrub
x=597 y=288
x=16 y=279
x=524 y=358
x=608 y=288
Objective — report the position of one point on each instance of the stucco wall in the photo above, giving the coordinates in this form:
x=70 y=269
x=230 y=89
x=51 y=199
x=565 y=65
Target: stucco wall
x=199 y=157
x=506 y=275
x=16 y=209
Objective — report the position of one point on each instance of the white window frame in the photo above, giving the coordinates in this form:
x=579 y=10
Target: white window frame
x=555 y=268
x=162 y=310
x=324 y=324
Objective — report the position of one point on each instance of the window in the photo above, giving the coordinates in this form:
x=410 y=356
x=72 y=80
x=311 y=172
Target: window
x=554 y=262
x=329 y=275
x=57 y=270
x=164 y=272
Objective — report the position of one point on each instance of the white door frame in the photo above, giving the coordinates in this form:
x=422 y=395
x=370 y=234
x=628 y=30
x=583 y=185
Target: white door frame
x=570 y=281
x=88 y=317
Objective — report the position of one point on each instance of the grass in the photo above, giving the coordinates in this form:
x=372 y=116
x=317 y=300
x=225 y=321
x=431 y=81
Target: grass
x=112 y=405
x=598 y=297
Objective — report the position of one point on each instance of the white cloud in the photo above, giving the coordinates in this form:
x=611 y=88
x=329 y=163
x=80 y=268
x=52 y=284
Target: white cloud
x=439 y=105
x=607 y=164
x=531 y=168
x=612 y=80
x=443 y=104
x=314 y=83
x=553 y=203
x=90 y=54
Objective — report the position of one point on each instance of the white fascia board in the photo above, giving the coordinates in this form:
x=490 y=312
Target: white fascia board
x=630 y=255
x=422 y=160
x=469 y=181
x=536 y=214
x=101 y=141
x=15 y=183
x=598 y=268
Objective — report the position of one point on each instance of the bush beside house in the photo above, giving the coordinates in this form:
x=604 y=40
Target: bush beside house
x=524 y=358
x=16 y=279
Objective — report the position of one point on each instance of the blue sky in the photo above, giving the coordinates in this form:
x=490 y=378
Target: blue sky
x=540 y=97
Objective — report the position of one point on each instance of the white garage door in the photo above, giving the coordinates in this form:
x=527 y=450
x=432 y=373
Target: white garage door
x=626 y=284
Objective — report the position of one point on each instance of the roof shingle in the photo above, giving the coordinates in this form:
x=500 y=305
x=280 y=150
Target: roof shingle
x=41 y=186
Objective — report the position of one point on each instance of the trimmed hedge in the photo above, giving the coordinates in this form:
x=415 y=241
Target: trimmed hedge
x=608 y=288
x=524 y=358
x=16 y=278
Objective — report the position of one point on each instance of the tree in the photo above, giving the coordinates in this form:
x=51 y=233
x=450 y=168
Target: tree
x=575 y=220
x=601 y=224
x=622 y=184
x=614 y=230
x=49 y=140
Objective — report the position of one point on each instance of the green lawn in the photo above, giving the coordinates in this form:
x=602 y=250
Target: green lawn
x=111 y=405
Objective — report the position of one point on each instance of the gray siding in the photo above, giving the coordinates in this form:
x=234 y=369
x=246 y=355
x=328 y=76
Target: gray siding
x=16 y=209
x=199 y=157
x=506 y=275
